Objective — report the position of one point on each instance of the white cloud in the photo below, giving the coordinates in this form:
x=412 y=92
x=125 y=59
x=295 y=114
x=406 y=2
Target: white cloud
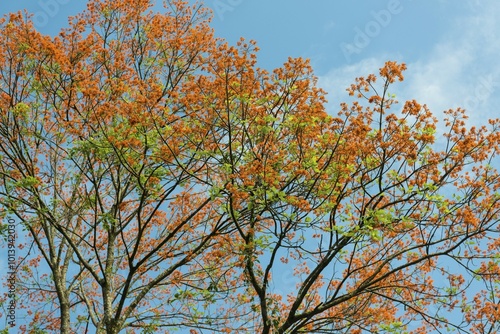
x=462 y=70
x=338 y=80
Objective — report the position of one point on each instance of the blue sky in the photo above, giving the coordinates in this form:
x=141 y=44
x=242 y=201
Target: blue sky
x=451 y=47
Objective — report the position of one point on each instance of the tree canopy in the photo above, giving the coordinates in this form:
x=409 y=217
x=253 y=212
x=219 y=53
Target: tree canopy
x=163 y=182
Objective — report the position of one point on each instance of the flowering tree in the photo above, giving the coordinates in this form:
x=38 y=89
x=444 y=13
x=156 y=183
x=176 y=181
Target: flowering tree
x=100 y=163
x=165 y=182
x=384 y=228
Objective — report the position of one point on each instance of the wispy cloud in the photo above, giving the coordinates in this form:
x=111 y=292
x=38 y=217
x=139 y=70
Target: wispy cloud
x=337 y=80
x=462 y=69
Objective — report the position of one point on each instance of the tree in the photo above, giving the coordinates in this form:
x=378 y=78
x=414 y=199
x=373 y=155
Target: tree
x=101 y=163
x=166 y=182
x=383 y=229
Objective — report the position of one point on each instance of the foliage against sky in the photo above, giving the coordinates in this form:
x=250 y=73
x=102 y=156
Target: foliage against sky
x=165 y=181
